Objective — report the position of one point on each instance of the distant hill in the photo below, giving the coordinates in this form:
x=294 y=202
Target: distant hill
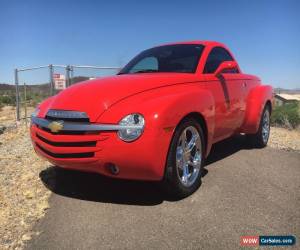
x=5 y=87
x=77 y=79
x=37 y=88
x=287 y=91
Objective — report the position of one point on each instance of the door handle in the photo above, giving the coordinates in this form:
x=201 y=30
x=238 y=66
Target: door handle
x=244 y=84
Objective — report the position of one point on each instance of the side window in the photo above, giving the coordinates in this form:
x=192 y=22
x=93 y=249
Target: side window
x=147 y=63
x=215 y=58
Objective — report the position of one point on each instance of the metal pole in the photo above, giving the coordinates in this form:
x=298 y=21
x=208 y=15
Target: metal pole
x=93 y=67
x=33 y=68
x=68 y=75
x=17 y=95
x=51 y=79
x=25 y=103
x=72 y=75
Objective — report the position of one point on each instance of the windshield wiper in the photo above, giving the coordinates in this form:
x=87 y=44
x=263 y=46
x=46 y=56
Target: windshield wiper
x=146 y=71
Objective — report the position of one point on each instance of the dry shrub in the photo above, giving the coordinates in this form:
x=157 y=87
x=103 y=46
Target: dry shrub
x=287 y=116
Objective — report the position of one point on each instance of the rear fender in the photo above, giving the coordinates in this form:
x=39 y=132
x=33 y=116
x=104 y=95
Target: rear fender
x=256 y=101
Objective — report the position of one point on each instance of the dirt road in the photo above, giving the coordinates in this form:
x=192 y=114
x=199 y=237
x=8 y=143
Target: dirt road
x=244 y=192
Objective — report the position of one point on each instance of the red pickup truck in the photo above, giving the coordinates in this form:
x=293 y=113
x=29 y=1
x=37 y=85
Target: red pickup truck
x=157 y=118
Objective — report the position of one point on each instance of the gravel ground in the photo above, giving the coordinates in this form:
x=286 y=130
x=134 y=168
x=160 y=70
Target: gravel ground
x=8 y=115
x=23 y=197
x=282 y=138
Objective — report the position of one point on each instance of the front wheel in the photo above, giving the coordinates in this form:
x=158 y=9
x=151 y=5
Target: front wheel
x=260 y=139
x=185 y=160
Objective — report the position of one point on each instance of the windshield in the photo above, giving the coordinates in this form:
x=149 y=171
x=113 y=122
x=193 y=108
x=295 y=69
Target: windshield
x=181 y=58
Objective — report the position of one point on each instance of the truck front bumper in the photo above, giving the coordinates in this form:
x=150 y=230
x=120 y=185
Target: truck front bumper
x=96 y=148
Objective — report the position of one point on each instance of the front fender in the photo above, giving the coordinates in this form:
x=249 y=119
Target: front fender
x=256 y=101
x=45 y=105
x=163 y=109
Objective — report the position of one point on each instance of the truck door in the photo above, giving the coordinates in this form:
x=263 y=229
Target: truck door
x=228 y=92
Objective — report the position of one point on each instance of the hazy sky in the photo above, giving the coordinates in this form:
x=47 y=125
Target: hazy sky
x=264 y=36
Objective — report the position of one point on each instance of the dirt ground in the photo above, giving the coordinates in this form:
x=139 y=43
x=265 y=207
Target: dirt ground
x=24 y=198
x=8 y=115
x=285 y=139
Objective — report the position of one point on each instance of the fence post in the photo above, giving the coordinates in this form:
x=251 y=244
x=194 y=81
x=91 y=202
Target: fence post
x=68 y=75
x=17 y=95
x=51 y=79
x=72 y=75
x=25 y=104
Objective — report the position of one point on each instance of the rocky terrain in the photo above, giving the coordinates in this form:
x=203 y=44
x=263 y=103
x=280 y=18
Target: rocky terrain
x=23 y=197
x=285 y=139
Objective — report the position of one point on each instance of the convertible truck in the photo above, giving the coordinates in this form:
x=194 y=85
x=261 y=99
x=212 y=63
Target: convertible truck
x=157 y=119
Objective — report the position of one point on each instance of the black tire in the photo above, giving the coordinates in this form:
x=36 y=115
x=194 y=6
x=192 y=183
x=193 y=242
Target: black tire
x=259 y=140
x=172 y=183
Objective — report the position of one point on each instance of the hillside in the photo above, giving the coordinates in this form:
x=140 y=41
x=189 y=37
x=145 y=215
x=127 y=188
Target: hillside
x=287 y=91
x=39 y=87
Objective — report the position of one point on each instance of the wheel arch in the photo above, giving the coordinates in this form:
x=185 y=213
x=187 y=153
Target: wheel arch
x=201 y=121
x=269 y=104
x=258 y=98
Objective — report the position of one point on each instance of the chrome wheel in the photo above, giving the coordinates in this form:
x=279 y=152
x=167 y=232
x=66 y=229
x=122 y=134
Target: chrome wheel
x=266 y=126
x=189 y=156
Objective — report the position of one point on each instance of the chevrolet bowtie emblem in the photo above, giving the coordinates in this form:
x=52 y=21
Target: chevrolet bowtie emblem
x=56 y=126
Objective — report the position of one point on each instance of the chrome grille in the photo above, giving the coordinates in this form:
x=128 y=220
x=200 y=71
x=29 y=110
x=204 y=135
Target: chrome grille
x=72 y=132
x=67 y=115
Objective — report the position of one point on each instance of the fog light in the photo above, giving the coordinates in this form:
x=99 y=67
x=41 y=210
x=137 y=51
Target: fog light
x=113 y=169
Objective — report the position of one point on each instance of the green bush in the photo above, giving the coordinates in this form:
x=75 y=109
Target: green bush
x=7 y=99
x=287 y=115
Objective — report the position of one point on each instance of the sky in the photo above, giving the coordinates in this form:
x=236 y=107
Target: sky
x=264 y=36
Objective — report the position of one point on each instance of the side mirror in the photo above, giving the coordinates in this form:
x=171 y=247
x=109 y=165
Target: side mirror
x=226 y=65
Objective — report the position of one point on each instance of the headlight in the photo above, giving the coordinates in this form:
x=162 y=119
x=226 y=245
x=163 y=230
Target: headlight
x=133 y=127
x=35 y=112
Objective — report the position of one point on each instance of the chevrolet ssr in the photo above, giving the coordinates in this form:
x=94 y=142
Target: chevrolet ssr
x=157 y=119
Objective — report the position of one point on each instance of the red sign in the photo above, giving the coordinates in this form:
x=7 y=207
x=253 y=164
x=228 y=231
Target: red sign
x=249 y=241
x=59 y=81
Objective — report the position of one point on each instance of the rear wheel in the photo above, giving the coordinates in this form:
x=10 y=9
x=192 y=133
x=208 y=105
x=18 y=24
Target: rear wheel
x=185 y=160
x=260 y=139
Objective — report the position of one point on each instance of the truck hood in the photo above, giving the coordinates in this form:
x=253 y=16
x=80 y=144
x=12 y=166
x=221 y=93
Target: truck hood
x=96 y=96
